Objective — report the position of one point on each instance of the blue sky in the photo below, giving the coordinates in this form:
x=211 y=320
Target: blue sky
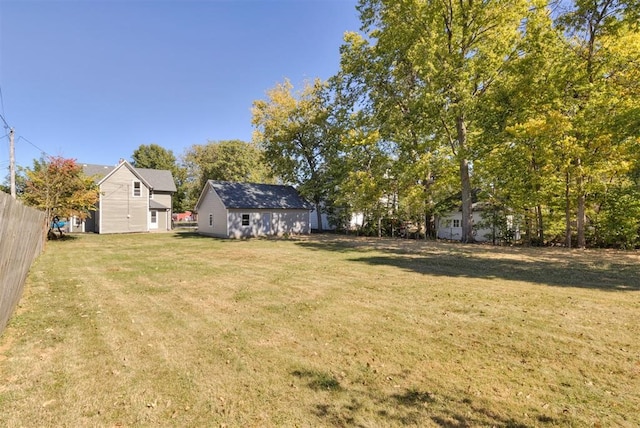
x=93 y=80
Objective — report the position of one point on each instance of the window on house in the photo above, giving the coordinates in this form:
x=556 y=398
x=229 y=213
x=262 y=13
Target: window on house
x=210 y=220
x=447 y=223
x=456 y=222
x=154 y=217
x=137 y=189
x=245 y=219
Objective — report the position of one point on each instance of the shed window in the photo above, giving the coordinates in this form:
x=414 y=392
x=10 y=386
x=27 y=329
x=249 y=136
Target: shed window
x=245 y=219
x=137 y=190
x=456 y=222
x=210 y=220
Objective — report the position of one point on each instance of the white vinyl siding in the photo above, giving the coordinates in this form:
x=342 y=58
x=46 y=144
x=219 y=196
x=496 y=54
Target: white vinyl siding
x=162 y=198
x=121 y=211
x=211 y=204
x=164 y=217
x=280 y=222
x=450 y=227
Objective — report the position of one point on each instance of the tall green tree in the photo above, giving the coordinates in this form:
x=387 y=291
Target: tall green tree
x=153 y=156
x=376 y=90
x=525 y=134
x=598 y=99
x=228 y=160
x=59 y=187
x=362 y=171
x=446 y=56
x=299 y=136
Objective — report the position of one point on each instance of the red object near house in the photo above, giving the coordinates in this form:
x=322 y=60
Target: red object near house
x=185 y=216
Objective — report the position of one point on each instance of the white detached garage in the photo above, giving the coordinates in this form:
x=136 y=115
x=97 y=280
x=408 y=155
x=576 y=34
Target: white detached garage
x=241 y=210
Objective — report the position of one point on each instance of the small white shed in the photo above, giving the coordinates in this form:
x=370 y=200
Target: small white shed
x=449 y=225
x=242 y=210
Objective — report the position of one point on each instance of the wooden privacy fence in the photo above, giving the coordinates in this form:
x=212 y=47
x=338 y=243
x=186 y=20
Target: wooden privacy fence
x=21 y=241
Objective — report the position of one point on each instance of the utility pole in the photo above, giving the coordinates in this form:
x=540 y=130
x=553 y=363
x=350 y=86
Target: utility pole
x=12 y=164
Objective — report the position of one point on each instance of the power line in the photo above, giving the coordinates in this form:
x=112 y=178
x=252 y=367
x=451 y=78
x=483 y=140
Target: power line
x=2 y=108
x=6 y=125
x=41 y=151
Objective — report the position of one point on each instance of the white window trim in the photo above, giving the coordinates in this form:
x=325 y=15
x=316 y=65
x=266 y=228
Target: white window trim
x=210 y=219
x=242 y=220
x=133 y=188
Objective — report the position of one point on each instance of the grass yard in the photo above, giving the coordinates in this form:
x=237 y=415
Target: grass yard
x=179 y=330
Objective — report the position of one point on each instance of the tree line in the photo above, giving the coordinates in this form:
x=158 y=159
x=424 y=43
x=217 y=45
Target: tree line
x=528 y=106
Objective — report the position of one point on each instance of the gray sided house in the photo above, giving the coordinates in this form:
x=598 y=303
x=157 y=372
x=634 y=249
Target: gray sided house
x=131 y=200
x=242 y=210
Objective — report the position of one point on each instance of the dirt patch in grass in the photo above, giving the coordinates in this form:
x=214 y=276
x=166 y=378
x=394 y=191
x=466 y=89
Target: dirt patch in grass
x=178 y=330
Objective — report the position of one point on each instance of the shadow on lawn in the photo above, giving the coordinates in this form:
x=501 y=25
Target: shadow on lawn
x=415 y=408
x=190 y=234
x=553 y=267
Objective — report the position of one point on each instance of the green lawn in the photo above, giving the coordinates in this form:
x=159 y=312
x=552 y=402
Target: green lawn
x=180 y=330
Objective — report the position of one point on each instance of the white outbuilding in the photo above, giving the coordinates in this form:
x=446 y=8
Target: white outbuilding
x=242 y=210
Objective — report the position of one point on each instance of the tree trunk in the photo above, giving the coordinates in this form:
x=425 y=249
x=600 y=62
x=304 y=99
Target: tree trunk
x=527 y=223
x=467 y=208
x=465 y=183
x=567 y=212
x=428 y=225
x=319 y=216
x=581 y=221
x=540 y=224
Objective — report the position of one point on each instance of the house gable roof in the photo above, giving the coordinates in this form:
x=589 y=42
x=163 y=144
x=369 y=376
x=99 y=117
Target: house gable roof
x=160 y=180
x=99 y=171
x=124 y=164
x=155 y=205
x=257 y=196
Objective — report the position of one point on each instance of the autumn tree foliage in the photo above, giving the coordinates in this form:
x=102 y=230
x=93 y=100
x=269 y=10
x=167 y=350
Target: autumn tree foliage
x=59 y=187
x=534 y=103
x=297 y=132
x=226 y=160
x=426 y=67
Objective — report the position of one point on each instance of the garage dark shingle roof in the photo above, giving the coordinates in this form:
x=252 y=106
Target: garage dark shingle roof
x=258 y=196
